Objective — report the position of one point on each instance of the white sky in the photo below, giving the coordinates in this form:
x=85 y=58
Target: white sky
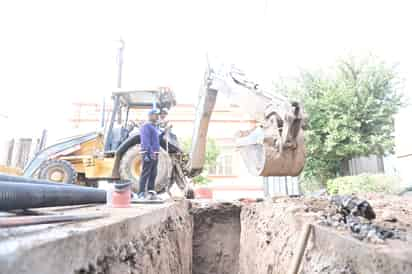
x=55 y=52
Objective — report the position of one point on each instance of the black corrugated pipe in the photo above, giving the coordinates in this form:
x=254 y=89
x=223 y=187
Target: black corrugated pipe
x=27 y=195
x=21 y=179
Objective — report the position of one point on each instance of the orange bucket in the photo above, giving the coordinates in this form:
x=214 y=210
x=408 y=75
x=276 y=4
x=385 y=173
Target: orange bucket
x=121 y=195
x=203 y=193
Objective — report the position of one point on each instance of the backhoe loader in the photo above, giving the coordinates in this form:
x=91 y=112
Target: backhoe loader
x=274 y=147
x=113 y=154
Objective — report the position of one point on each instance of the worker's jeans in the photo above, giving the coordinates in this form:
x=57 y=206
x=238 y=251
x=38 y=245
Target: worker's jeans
x=148 y=175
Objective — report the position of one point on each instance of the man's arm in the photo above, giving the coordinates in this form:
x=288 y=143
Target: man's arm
x=155 y=140
x=145 y=138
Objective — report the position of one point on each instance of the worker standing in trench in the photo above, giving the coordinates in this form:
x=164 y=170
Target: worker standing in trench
x=150 y=147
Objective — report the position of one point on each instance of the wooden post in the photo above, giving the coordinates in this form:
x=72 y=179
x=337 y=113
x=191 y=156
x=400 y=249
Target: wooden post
x=298 y=254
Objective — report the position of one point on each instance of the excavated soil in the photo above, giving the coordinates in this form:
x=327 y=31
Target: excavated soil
x=270 y=233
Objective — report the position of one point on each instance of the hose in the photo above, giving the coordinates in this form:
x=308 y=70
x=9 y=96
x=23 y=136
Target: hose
x=21 y=179
x=22 y=195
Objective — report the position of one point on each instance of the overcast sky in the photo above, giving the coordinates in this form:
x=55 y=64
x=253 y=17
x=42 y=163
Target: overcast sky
x=53 y=53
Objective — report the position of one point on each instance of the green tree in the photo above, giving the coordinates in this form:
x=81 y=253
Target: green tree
x=212 y=152
x=350 y=112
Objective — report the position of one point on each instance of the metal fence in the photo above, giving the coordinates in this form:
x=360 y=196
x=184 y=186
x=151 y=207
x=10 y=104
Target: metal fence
x=281 y=186
x=371 y=164
x=17 y=152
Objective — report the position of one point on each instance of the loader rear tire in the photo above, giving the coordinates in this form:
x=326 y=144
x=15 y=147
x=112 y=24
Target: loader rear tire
x=58 y=171
x=131 y=164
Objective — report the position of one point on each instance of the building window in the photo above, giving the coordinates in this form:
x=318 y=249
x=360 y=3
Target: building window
x=223 y=166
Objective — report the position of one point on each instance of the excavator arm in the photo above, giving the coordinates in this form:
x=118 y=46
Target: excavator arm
x=275 y=147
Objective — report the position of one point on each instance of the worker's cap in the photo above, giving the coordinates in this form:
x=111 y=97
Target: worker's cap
x=164 y=111
x=153 y=111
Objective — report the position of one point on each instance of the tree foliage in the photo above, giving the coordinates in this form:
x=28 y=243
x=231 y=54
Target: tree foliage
x=212 y=152
x=350 y=112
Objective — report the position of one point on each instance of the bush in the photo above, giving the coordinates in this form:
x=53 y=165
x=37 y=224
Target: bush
x=364 y=183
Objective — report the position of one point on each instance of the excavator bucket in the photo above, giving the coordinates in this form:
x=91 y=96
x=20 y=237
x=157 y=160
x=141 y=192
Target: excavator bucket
x=266 y=160
x=275 y=147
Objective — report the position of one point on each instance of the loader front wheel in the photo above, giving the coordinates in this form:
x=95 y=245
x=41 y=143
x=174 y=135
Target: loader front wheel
x=58 y=171
x=131 y=165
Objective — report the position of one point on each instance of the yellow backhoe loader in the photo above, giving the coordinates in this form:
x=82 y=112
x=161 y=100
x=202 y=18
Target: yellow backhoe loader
x=114 y=153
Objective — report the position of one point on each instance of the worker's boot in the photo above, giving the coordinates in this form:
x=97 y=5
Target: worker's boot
x=152 y=195
x=141 y=196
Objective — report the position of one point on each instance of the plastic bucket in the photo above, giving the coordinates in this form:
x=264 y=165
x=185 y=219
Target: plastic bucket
x=121 y=195
x=203 y=193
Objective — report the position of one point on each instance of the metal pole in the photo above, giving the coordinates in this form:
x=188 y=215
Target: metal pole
x=120 y=62
x=108 y=139
x=43 y=140
x=286 y=186
x=265 y=187
x=103 y=114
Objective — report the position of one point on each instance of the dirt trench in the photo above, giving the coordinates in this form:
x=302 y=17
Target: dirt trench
x=258 y=238
x=216 y=238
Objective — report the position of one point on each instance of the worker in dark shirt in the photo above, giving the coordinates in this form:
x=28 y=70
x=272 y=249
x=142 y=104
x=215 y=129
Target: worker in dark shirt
x=163 y=123
x=150 y=147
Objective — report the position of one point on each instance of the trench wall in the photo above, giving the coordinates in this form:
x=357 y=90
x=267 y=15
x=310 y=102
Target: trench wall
x=216 y=238
x=162 y=248
x=143 y=240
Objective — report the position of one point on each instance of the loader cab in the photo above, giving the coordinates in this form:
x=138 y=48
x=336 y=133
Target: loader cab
x=121 y=125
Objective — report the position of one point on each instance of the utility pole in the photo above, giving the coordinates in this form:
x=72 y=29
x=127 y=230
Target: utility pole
x=120 y=62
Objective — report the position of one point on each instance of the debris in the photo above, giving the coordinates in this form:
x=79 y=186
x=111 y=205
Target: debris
x=251 y=200
x=356 y=215
x=351 y=205
x=389 y=217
